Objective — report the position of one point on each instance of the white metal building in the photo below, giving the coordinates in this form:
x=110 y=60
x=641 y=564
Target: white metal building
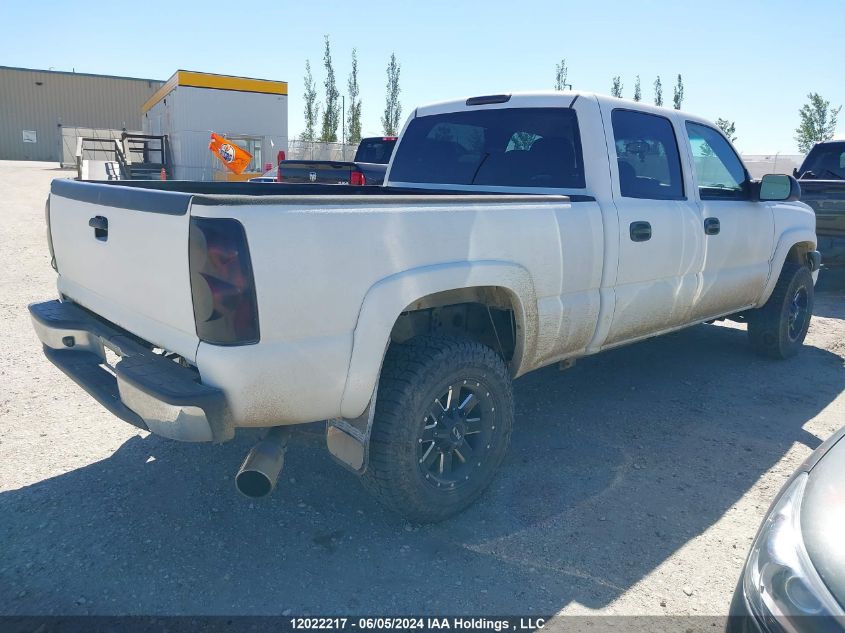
x=251 y=112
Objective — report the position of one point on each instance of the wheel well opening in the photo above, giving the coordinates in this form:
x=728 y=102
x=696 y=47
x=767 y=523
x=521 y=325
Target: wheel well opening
x=798 y=253
x=485 y=314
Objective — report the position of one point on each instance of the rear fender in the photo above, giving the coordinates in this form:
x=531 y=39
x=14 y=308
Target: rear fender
x=388 y=298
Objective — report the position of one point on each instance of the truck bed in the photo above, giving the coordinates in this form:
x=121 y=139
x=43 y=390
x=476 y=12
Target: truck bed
x=247 y=190
x=324 y=171
x=139 y=276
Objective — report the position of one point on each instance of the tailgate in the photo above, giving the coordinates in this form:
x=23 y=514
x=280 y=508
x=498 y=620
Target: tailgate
x=827 y=198
x=122 y=252
x=325 y=172
x=373 y=172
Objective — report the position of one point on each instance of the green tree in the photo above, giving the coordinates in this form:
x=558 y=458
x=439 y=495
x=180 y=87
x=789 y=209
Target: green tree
x=658 y=92
x=679 y=93
x=638 y=93
x=616 y=87
x=561 y=73
x=331 y=113
x=818 y=122
x=392 y=107
x=354 y=102
x=312 y=108
x=728 y=128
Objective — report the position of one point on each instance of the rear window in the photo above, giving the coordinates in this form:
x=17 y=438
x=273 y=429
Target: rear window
x=825 y=161
x=513 y=147
x=375 y=150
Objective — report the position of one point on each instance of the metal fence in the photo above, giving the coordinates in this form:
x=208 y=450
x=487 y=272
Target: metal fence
x=760 y=164
x=757 y=164
x=314 y=150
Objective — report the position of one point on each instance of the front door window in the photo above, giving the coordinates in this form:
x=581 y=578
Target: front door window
x=718 y=170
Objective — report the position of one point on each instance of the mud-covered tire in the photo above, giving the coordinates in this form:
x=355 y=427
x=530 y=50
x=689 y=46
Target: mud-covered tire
x=778 y=329
x=415 y=376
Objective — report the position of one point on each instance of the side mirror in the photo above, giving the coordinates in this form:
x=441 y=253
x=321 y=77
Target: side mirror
x=779 y=188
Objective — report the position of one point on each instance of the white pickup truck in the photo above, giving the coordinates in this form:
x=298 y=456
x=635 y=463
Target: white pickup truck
x=401 y=314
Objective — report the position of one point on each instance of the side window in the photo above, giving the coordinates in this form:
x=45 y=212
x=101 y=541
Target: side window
x=253 y=146
x=647 y=155
x=719 y=171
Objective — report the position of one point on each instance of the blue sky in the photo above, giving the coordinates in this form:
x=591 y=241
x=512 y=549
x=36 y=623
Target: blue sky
x=751 y=62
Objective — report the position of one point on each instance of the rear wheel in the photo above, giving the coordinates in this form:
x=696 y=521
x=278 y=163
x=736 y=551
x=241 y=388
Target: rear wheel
x=778 y=329
x=441 y=428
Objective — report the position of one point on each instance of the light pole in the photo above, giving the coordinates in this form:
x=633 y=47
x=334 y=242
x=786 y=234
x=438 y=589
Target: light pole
x=775 y=166
x=343 y=134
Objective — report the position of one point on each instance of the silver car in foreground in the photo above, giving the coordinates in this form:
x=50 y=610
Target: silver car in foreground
x=794 y=578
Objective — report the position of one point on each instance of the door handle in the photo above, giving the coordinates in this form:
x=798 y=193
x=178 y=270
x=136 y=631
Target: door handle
x=100 y=226
x=640 y=231
x=712 y=226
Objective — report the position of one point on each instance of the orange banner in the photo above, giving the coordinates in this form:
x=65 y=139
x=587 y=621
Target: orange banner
x=232 y=156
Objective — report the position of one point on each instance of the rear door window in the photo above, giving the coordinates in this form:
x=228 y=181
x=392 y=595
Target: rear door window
x=510 y=147
x=647 y=156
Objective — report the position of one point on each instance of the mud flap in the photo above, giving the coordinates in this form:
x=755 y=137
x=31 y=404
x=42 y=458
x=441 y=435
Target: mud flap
x=348 y=441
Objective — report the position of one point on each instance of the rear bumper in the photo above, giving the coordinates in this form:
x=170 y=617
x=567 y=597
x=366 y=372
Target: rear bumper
x=143 y=388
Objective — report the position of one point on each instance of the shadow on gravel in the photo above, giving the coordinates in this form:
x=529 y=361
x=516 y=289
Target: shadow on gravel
x=830 y=293
x=615 y=465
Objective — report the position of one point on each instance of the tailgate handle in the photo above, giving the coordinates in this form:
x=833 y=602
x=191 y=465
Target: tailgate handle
x=100 y=226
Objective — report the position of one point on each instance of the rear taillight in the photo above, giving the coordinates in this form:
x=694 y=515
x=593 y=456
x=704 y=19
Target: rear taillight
x=279 y=158
x=50 y=235
x=222 y=284
x=357 y=178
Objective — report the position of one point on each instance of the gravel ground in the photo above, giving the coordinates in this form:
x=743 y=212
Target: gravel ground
x=634 y=485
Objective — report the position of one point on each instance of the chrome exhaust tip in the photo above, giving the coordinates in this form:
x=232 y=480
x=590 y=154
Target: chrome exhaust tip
x=259 y=473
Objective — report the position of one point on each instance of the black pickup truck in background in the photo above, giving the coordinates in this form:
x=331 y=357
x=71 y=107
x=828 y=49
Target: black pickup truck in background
x=367 y=168
x=822 y=179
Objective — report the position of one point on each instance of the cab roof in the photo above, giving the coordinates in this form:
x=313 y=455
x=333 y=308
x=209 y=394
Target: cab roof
x=542 y=99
